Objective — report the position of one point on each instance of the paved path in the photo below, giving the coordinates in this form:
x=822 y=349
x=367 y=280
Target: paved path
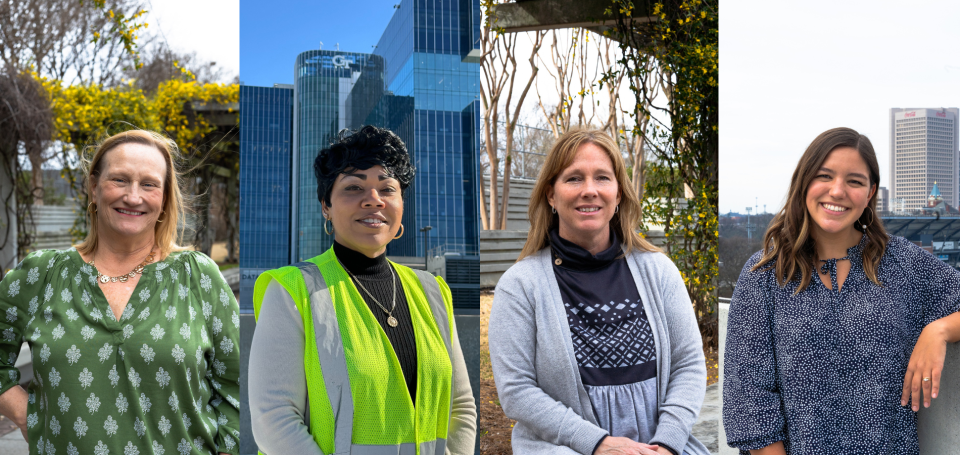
x=706 y=427
x=13 y=444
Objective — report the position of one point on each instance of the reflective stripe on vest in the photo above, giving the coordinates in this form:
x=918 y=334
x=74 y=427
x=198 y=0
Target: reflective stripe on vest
x=332 y=358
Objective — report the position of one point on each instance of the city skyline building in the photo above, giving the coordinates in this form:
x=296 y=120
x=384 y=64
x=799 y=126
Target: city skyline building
x=923 y=150
x=883 y=199
x=266 y=136
x=422 y=82
x=326 y=83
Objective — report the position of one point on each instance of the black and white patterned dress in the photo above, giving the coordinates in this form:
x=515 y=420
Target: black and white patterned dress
x=822 y=370
x=612 y=338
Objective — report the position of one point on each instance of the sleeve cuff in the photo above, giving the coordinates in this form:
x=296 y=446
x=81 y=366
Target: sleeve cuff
x=598 y=443
x=758 y=442
x=584 y=440
x=670 y=436
x=226 y=443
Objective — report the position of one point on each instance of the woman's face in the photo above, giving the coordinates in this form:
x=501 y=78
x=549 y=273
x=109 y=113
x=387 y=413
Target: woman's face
x=129 y=191
x=365 y=209
x=839 y=193
x=585 y=195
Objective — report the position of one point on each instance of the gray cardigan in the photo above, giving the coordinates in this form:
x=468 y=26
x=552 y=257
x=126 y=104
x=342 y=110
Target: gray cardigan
x=536 y=372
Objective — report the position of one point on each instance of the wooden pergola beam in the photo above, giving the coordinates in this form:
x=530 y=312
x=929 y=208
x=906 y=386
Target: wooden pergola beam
x=529 y=15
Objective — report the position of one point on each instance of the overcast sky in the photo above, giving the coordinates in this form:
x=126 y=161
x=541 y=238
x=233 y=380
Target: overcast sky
x=791 y=70
x=211 y=28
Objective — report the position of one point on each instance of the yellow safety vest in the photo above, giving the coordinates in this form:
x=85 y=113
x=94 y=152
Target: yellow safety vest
x=359 y=403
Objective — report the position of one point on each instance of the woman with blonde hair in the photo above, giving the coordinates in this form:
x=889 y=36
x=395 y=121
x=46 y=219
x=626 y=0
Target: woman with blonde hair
x=835 y=322
x=593 y=340
x=134 y=340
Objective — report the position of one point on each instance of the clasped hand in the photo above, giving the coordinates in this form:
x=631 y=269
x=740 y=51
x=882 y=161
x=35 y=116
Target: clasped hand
x=613 y=445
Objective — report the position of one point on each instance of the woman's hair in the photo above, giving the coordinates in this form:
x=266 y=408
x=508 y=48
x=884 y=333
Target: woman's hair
x=788 y=246
x=561 y=155
x=362 y=149
x=167 y=233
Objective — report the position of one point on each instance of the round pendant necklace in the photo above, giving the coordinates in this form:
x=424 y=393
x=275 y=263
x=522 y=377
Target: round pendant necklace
x=391 y=321
x=123 y=278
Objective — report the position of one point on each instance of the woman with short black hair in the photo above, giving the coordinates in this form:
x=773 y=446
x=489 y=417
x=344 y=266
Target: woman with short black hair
x=351 y=350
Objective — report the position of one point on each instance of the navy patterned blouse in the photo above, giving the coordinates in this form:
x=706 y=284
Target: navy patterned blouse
x=823 y=370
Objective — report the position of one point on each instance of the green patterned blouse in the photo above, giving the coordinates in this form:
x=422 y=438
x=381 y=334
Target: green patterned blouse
x=162 y=380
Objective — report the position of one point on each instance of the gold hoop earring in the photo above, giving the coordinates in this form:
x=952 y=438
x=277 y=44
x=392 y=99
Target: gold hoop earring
x=158 y=218
x=92 y=204
x=325 y=229
x=865 y=225
x=401 y=232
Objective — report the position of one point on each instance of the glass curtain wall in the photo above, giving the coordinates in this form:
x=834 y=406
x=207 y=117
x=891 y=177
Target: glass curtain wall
x=266 y=121
x=426 y=49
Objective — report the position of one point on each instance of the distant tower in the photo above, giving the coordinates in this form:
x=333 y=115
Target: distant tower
x=883 y=199
x=924 y=149
x=934 y=198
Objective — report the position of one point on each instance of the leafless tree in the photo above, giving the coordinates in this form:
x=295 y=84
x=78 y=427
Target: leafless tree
x=734 y=253
x=55 y=39
x=161 y=64
x=498 y=81
x=26 y=122
x=561 y=69
x=736 y=247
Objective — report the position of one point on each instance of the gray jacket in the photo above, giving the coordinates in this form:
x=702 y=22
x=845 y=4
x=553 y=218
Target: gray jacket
x=278 y=385
x=537 y=378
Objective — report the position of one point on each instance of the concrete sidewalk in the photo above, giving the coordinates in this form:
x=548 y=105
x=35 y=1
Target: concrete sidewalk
x=705 y=430
x=13 y=444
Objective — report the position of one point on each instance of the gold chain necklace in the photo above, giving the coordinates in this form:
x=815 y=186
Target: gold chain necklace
x=123 y=278
x=391 y=321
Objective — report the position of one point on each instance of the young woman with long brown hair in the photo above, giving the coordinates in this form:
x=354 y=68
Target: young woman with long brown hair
x=835 y=326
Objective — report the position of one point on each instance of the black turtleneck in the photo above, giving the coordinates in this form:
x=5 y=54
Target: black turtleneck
x=612 y=338
x=376 y=276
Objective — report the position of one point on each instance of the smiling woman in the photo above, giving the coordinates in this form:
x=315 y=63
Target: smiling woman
x=365 y=208
x=369 y=346
x=127 y=324
x=833 y=306
x=623 y=371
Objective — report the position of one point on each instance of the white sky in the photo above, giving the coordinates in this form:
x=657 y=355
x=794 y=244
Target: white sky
x=789 y=71
x=211 y=28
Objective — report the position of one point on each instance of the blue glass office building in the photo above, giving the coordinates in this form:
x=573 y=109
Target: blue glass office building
x=422 y=82
x=333 y=90
x=266 y=136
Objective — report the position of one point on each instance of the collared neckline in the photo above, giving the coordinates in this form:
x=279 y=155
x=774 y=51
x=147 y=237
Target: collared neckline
x=360 y=265
x=575 y=257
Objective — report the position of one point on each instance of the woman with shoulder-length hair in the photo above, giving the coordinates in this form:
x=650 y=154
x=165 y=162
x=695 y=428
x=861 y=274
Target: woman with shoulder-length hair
x=835 y=326
x=354 y=353
x=593 y=340
x=134 y=339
